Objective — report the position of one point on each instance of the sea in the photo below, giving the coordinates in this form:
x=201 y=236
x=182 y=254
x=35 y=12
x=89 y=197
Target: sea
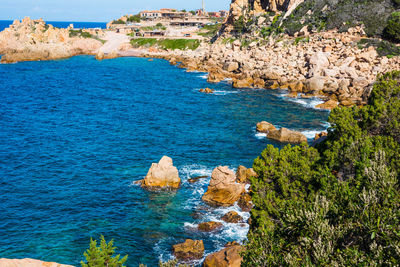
x=77 y=133
x=62 y=24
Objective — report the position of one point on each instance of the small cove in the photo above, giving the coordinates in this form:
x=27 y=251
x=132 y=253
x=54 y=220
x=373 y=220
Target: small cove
x=77 y=132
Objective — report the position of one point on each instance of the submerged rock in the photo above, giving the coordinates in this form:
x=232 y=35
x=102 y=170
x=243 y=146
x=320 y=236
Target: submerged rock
x=232 y=217
x=196 y=179
x=29 y=263
x=209 y=226
x=227 y=257
x=206 y=90
x=162 y=174
x=223 y=189
x=189 y=250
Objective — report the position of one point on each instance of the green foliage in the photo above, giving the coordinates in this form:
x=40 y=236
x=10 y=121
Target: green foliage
x=102 y=255
x=82 y=34
x=120 y=21
x=135 y=18
x=392 y=30
x=239 y=25
x=180 y=44
x=274 y=28
x=337 y=204
x=159 y=24
x=383 y=47
x=210 y=30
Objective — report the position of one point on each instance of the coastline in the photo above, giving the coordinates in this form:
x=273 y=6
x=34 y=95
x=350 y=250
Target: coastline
x=212 y=60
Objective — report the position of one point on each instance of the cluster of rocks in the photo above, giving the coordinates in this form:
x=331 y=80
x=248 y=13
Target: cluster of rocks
x=31 y=40
x=329 y=65
x=225 y=189
x=282 y=135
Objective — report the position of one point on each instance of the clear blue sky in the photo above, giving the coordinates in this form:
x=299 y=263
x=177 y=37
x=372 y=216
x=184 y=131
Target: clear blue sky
x=94 y=10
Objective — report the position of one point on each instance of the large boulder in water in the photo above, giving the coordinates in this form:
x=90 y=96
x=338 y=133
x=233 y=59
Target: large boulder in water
x=189 y=250
x=284 y=135
x=228 y=257
x=162 y=174
x=29 y=263
x=223 y=190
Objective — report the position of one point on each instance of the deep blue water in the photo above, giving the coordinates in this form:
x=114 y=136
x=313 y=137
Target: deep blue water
x=76 y=133
x=61 y=24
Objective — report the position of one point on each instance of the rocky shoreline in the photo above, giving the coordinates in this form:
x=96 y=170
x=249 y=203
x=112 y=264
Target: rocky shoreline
x=329 y=65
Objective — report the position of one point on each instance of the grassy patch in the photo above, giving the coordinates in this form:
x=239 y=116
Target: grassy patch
x=180 y=44
x=210 y=30
x=82 y=34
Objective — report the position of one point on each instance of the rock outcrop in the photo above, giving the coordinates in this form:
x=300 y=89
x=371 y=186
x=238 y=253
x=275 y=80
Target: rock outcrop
x=223 y=189
x=282 y=135
x=243 y=175
x=232 y=217
x=209 y=226
x=189 y=250
x=29 y=263
x=227 y=257
x=30 y=40
x=162 y=175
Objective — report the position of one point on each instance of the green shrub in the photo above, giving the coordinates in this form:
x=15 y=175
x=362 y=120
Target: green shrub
x=337 y=204
x=135 y=18
x=102 y=255
x=239 y=25
x=120 y=21
x=392 y=30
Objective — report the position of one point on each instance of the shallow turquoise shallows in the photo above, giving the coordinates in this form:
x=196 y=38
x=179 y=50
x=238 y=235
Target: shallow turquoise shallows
x=75 y=134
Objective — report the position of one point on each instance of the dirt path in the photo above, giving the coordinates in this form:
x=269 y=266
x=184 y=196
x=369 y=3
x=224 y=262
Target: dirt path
x=114 y=41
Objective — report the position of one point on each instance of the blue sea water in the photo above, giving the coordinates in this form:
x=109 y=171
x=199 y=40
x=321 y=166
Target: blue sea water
x=76 y=133
x=61 y=24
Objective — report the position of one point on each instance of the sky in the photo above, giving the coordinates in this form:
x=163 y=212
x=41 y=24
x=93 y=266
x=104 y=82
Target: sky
x=95 y=10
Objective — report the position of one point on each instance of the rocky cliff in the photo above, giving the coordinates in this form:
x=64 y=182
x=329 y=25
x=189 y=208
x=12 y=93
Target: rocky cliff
x=291 y=16
x=29 y=40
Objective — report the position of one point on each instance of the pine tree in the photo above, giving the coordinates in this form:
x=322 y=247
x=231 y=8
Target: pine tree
x=102 y=255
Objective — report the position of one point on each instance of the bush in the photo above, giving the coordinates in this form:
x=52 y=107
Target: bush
x=120 y=21
x=337 y=204
x=102 y=255
x=392 y=30
x=135 y=18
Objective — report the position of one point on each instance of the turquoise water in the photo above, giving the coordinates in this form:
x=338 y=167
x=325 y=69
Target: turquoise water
x=76 y=133
x=61 y=24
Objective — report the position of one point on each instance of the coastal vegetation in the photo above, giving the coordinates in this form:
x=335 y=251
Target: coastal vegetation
x=102 y=255
x=336 y=204
x=82 y=34
x=166 y=44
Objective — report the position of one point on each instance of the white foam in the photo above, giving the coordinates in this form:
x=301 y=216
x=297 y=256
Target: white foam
x=311 y=133
x=204 y=76
x=260 y=135
x=306 y=102
x=217 y=92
